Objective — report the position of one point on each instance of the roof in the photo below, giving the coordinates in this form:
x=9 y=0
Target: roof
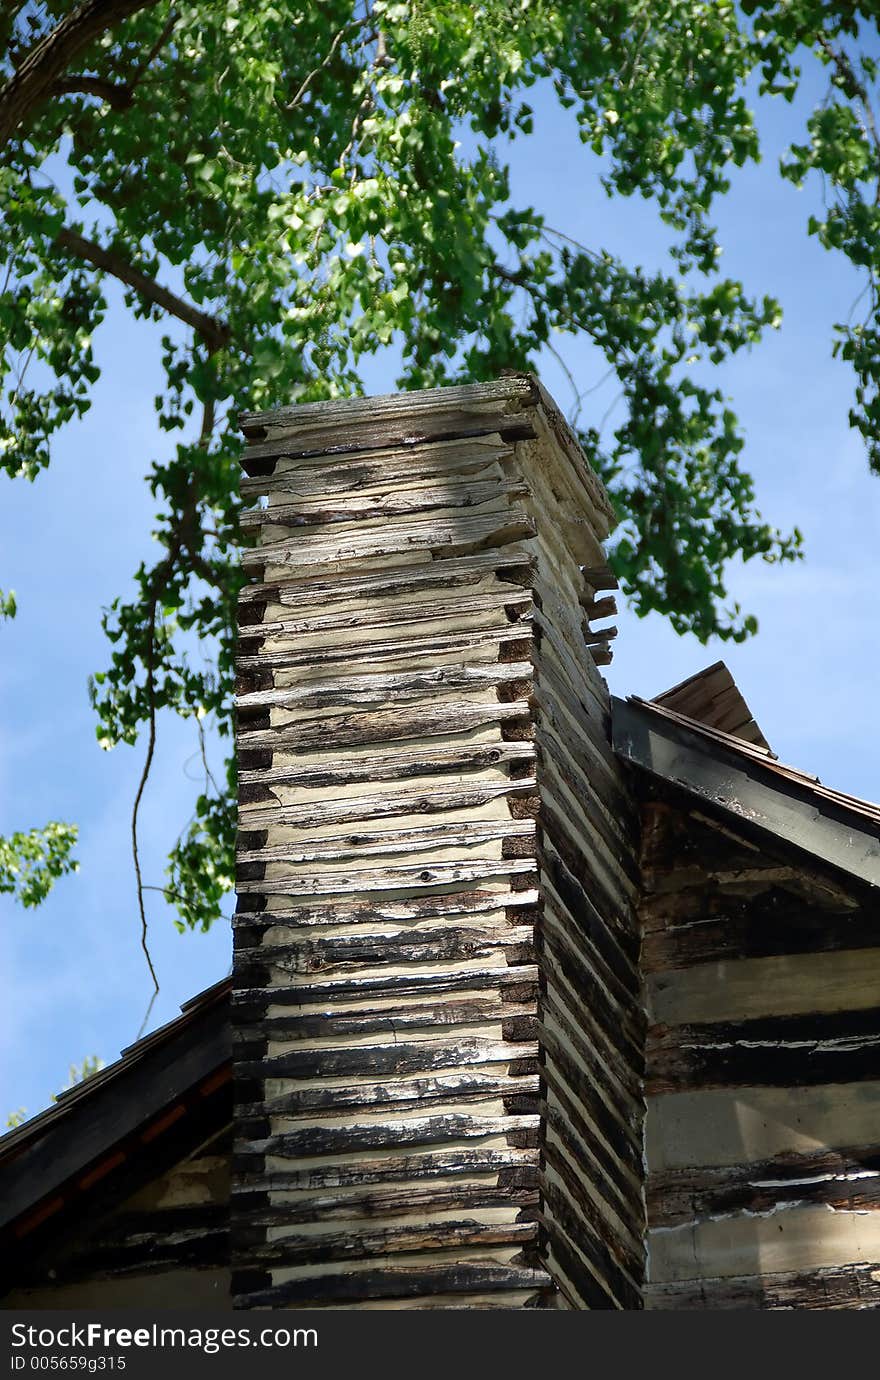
x=182 y=1070
x=744 y=779
x=712 y=698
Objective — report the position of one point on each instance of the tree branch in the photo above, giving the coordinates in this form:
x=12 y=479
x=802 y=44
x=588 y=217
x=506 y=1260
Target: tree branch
x=214 y=333
x=117 y=96
x=331 y=52
x=853 y=87
x=53 y=54
x=158 y=577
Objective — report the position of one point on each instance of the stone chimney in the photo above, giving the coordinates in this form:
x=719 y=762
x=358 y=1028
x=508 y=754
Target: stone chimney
x=437 y=1015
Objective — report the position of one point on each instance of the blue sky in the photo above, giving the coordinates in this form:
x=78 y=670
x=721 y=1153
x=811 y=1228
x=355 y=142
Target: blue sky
x=74 y=978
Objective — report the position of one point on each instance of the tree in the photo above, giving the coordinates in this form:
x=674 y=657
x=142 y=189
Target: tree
x=293 y=187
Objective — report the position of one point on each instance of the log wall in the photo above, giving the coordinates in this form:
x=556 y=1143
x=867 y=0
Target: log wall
x=425 y=1116
x=164 y=1246
x=763 y=1144
x=592 y=1022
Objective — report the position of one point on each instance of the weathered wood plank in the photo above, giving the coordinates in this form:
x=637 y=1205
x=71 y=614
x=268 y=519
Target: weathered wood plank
x=395 y=764
x=315 y=956
x=381 y=911
x=376 y=586
x=465 y=534
x=509 y=1166
x=847 y=1286
x=393 y=878
x=343 y=416
x=843 y=1179
x=358 y=1242
x=382 y=726
x=391 y=649
x=400 y=1057
x=457 y=981
x=405 y=1094
x=390 y=842
x=401 y=1201
x=412 y=800
x=393 y=502
x=351 y=471
x=398 y=1282
x=363 y=690
x=842 y=1047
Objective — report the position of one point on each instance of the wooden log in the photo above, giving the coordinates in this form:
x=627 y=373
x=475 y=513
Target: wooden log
x=508 y=1165
x=397 y=1282
x=846 y=1180
x=358 y=1242
x=470 y=533
x=846 y=1286
x=347 y=1136
x=393 y=502
x=410 y=615
x=391 y=984
x=349 y=472
x=400 y=1057
x=401 y=877
x=374 y=586
x=406 y=1094
x=843 y=1048
x=390 y=842
x=413 y=800
x=772 y=923
x=377 y=910
x=600 y=608
x=395 y=764
x=401 y=1201
x=599 y=577
x=408 y=946
x=492 y=640
x=363 y=690
x=382 y=726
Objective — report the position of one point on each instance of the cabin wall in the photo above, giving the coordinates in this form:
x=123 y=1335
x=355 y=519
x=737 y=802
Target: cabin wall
x=399 y=702
x=165 y=1246
x=763 y=1148
x=592 y=1022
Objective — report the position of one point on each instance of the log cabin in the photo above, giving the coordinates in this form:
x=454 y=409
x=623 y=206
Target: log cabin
x=540 y=998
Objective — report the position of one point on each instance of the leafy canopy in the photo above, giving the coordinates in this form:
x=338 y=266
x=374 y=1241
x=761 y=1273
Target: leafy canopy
x=293 y=187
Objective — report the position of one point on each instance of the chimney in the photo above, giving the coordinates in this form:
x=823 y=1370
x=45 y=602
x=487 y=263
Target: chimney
x=438 y=1022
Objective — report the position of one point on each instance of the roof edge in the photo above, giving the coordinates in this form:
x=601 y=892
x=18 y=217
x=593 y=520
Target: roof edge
x=826 y=825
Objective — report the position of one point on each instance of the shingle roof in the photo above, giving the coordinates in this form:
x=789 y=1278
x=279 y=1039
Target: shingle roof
x=712 y=698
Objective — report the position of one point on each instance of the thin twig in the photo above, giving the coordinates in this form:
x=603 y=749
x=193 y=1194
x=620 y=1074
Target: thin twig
x=575 y=413
x=154 y=52
x=331 y=53
x=151 y=748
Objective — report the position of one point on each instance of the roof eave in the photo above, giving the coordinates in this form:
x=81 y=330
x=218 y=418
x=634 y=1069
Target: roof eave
x=741 y=787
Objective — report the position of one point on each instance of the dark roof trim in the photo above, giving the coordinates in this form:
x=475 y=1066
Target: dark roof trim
x=753 y=792
x=59 y=1154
